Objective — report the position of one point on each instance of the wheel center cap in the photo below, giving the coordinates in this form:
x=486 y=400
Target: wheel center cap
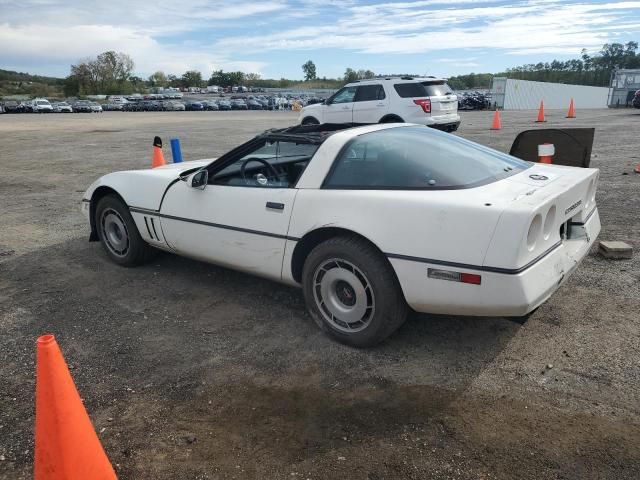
x=345 y=293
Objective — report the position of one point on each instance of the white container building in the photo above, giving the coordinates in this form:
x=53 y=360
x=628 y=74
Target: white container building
x=513 y=94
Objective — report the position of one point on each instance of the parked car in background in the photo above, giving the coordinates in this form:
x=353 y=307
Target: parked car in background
x=210 y=105
x=96 y=107
x=82 y=106
x=112 y=107
x=62 y=107
x=253 y=104
x=173 y=106
x=224 y=105
x=239 y=104
x=427 y=101
x=117 y=99
x=41 y=105
x=193 y=106
x=12 y=106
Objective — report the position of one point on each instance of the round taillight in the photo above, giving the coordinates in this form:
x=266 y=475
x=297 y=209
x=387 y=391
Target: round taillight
x=549 y=222
x=534 y=232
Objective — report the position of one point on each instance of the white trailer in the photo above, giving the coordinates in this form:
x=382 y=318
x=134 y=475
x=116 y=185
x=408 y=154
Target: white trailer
x=513 y=94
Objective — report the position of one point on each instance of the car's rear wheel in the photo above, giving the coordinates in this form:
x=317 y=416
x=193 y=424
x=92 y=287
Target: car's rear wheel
x=352 y=292
x=119 y=235
x=310 y=121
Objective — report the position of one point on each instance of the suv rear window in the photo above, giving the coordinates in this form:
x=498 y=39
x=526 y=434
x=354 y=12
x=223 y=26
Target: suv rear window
x=437 y=89
x=410 y=90
x=417 y=158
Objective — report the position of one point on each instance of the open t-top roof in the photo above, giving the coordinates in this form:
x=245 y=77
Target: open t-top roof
x=315 y=134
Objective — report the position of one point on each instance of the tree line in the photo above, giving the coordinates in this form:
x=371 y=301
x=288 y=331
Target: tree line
x=112 y=72
x=586 y=70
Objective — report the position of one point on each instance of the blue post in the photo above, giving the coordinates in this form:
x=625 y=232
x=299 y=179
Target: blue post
x=175 y=150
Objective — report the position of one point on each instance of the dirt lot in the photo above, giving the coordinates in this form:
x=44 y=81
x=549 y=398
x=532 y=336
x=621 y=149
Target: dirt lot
x=191 y=371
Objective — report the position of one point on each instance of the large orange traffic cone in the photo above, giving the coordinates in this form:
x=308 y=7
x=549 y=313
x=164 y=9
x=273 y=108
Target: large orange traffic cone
x=158 y=157
x=67 y=447
x=572 y=111
x=497 y=124
x=637 y=169
x=541 y=113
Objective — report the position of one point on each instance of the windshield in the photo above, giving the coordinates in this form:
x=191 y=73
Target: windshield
x=42 y=102
x=409 y=158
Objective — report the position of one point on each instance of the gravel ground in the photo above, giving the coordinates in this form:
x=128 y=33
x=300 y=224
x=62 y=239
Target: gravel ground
x=192 y=371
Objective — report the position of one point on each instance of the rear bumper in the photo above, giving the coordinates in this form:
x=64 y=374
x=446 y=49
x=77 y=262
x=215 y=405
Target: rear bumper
x=500 y=294
x=449 y=121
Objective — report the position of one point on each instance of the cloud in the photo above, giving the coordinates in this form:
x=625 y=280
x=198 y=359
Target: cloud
x=178 y=35
x=62 y=44
x=409 y=27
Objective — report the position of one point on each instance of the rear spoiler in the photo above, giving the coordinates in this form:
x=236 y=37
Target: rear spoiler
x=572 y=145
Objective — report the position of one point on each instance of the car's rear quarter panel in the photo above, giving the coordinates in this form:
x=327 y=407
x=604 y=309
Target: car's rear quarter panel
x=445 y=225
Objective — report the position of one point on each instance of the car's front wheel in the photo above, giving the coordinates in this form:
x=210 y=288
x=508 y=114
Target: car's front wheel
x=352 y=292
x=119 y=235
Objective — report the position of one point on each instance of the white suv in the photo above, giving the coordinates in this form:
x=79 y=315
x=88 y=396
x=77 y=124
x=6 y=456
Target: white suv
x=428 y=101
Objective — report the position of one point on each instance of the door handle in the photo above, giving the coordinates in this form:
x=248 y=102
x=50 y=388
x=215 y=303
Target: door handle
x=275 y=205
x=346 y=108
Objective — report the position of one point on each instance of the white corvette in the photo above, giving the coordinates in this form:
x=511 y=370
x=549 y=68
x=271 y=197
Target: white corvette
x=367 y=220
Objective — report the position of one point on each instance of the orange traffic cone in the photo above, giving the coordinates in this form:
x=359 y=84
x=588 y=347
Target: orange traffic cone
x=546 y=151
x=572 y=111
x=497 y=124
x=158 y=157
x=541 y=113
x=637 y=169
x=67 y=446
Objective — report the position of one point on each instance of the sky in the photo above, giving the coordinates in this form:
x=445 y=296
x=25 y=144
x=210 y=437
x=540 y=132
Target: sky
x=274 y=38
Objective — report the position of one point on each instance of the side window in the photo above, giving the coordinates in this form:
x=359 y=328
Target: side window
x=368 y=93
x=346 y=95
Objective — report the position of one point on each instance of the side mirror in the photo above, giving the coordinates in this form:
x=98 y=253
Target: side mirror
x=200 y=179
x=327 y=101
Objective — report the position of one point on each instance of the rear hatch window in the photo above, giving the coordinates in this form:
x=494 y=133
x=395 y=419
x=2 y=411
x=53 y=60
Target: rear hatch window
x=437 y=89
x=410 y=90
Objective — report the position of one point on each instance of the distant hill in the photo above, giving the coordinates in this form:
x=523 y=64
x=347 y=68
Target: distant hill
x=17 y=83
x=11 y=76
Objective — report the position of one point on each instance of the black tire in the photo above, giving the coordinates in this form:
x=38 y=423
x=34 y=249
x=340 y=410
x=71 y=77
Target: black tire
x=341 y=254
x=310 y=121
x=391 y=119
x=112 y=219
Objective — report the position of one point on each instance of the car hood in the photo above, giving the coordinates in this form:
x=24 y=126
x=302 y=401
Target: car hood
x=143 y=188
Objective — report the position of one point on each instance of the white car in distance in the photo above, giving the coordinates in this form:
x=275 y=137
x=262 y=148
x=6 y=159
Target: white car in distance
x=426 y=101
x=368 y=221
x=41 y=105
x=62 y=107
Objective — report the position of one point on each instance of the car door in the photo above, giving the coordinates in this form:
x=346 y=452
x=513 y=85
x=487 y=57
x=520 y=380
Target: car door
x=370 y=104
x=339 y=108
x=234 y=223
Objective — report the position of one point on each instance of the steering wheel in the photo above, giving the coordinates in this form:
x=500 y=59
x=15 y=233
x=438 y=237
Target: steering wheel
x=269 y=167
